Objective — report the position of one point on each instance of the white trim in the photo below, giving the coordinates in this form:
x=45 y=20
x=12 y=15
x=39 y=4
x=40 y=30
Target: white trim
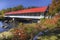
x=33 y=17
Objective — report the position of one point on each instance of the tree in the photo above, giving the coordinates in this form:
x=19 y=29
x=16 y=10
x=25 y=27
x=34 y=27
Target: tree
x=54 y=7
x=14 y=9
x=2 y=12
x=8 y=9
x=20 y=7
x=32 y=7
x=58 y=23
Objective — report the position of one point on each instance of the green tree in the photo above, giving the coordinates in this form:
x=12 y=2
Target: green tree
x=8 y=10
x=2 y=12
x=32 y=7
x=14 y=9
x=58 y=23
x=20 y=7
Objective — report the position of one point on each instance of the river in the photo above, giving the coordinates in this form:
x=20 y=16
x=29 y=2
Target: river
x=5 y=26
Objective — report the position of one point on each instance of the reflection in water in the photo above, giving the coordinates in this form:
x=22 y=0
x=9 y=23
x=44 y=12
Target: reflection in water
x=5 y=26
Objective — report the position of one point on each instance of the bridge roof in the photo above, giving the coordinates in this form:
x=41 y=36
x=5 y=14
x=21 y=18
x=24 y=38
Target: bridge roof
x=31 y=10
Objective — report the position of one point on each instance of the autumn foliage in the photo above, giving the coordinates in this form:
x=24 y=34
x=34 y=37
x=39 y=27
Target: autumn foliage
x=19 y=34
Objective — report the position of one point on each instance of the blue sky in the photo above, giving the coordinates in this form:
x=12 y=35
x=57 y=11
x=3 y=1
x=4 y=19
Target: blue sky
x=26 y=3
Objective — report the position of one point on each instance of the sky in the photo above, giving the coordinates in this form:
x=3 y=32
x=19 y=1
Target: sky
x=26 y=3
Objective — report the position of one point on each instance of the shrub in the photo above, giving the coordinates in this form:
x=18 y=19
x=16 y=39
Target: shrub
x=20 y=34
x=51 y=37
x=6 y=35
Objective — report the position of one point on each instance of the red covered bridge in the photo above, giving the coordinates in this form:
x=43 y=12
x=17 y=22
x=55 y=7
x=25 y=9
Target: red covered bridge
x=33 y=13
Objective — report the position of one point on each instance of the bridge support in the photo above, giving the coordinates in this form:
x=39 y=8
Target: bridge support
x=13 y=22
